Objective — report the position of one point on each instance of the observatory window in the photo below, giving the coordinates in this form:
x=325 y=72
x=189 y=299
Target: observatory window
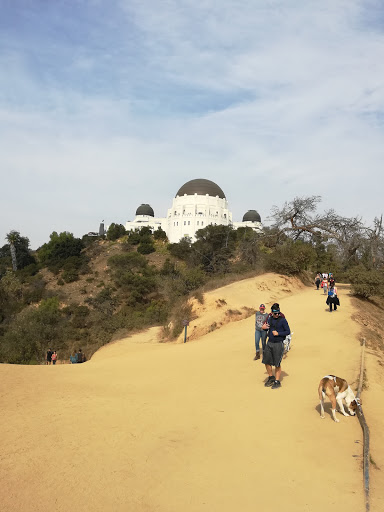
x=189 y=222
x=197 y=222
x=185 y=222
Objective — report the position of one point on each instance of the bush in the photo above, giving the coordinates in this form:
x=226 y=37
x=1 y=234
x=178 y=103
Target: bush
x=69 y=276
x=291 y=258
x=160 y=234
x=60 y=247
x=146 y=248
x=115 y=231
x=366 y=283
x=35 y=290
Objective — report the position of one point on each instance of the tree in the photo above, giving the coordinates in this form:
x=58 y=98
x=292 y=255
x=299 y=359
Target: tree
x=299 y=220
x=115 y=231
x=60 y=247
x=160 y=234
x=12 y=239
x=18 y=250
x=214 y=247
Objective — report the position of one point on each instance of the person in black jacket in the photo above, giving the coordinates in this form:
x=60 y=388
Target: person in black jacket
x=278 y=329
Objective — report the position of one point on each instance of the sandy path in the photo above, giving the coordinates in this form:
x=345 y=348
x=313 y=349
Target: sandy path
x=148 y=427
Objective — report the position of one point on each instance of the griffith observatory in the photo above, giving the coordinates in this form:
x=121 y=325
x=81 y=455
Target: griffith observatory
x=196 y=204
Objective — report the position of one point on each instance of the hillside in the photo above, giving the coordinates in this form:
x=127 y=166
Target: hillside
x=161 y=427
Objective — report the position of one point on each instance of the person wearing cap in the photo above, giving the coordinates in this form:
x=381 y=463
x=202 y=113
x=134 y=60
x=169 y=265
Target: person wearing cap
x=260 y=333
x=278 y=329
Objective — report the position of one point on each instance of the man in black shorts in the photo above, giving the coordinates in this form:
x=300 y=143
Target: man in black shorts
x=278 y=329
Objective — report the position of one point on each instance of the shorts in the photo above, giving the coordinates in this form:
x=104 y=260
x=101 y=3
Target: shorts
x=273 y=354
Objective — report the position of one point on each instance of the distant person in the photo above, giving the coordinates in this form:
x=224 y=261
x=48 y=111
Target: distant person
x=80 y=357
x=49 y=356
x=260 y=333
x=54 y=357
x=73 y=358
x=318 y=280
x=278 y=329
x=331 y=281
x=325 y=275
x=332 y=298
x=324 y=285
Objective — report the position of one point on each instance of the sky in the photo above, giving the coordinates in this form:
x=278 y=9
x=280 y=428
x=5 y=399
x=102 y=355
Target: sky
x=108 y=104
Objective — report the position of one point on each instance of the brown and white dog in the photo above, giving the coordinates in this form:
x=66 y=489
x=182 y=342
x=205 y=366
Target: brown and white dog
x=337 y=389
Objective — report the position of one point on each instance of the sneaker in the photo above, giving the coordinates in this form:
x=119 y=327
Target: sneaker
x=276 y=384
x=269 y=381
x=257 y=356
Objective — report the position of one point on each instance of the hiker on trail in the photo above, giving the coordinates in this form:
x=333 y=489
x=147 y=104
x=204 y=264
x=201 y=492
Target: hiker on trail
x=49 y=356
x=331 y=281
x=260 y=333
x=324 y=285
x=278 y=329
x=54 y=357
x=332 y=298
x=270 y=316
x=318 y=280
x=80 y=356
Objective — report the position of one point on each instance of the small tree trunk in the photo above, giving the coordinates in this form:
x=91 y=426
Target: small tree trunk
x=13 y=256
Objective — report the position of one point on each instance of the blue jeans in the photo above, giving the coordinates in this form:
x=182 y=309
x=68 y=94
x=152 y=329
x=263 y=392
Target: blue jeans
x=263 y=336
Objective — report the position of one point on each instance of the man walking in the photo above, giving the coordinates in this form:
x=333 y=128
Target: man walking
x=260 y=333
x=278 y=329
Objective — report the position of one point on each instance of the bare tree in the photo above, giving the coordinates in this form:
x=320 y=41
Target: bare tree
x=299 y=219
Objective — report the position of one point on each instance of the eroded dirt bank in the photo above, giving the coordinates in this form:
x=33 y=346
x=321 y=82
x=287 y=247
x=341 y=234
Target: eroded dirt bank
x=158 y=427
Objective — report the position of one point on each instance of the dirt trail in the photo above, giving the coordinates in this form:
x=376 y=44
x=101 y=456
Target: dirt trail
x=150 y=427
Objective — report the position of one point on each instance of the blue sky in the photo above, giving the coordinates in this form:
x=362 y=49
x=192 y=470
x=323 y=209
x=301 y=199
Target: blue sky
x=105 y=105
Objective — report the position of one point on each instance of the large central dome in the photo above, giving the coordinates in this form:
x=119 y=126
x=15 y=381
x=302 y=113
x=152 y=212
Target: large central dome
x=201 y=187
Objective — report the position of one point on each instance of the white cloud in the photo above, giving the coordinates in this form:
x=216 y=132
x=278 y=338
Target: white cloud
x=268 y=100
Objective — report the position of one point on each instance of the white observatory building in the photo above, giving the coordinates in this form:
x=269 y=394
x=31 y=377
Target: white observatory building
x=197 y=204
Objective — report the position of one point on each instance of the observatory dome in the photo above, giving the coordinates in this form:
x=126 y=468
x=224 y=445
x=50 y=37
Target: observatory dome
x=145 y=209
x=251 y=216
x=201 y=187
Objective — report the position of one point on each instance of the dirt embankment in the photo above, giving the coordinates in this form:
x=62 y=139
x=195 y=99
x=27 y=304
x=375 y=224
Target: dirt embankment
x=237 y=301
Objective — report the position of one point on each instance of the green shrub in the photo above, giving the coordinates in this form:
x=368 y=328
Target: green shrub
x=115 y=231
x=366 y=283
x=291 y=258
x=35 y=290
x=70 y=276
x=146 y=248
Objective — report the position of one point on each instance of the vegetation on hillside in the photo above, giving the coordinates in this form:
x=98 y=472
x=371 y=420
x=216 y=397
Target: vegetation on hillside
x=76 y=292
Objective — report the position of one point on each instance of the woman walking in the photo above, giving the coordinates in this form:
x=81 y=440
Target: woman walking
x=333 y=298
x=324 y=285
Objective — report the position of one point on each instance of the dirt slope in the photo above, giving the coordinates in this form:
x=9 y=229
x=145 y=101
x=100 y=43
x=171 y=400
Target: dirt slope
x=150 y=427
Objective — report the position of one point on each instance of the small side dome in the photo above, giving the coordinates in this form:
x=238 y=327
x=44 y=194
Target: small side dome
x=251 y=216
x=145 y=209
